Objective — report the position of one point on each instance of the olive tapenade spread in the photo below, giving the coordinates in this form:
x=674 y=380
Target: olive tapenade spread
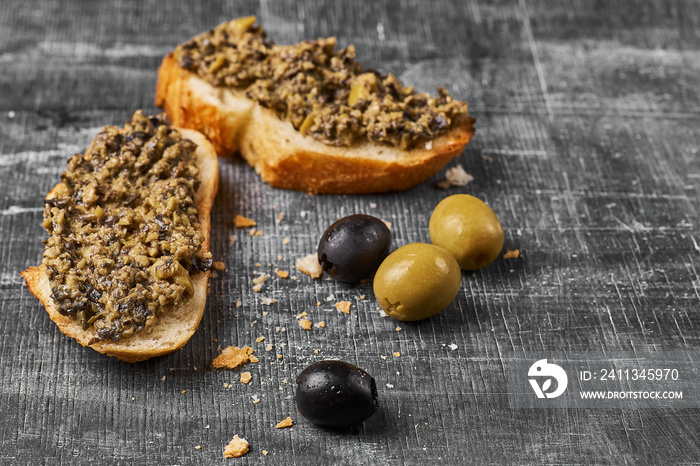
x=324 y=93
x=124 y=230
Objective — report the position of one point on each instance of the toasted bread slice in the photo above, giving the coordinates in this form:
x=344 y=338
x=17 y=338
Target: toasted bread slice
x=282 y=156
x=171 y=330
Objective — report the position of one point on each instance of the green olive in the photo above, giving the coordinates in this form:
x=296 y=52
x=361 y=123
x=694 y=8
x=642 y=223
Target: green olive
x=417 y=281
x=469 y=229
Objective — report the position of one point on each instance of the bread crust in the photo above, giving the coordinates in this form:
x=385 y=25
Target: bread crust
x=286 y=159
x=172 y=330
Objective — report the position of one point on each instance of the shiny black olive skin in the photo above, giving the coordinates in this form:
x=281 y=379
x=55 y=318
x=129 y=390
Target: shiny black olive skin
x=336 y=394
x=353 y=247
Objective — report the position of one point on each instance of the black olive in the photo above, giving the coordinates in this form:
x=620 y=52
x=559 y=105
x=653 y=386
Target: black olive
x=336 y=394
x=353 y=247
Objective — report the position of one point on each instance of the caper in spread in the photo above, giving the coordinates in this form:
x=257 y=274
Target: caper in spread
x=124 y=229
x=324 y=93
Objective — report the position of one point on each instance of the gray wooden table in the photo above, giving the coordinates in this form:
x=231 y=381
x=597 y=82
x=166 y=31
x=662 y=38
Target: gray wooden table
x=588 y=117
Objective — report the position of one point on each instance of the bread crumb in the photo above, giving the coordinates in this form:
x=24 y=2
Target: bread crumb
x=258 y=281
x=258 y=232
x=246 y=377
x=243 y=222
x=343 y=306
x=259 y=339
x=239 y=303
x=268 y=347
x=285 y=241
x=305 y=324
x=207 y=426
x=198 y=447
x=388 y=225
x=362 y=296
x=162 y=379
x=237 y=447
x=282 y=273
x=303 y=314
x=389 y=386
x=253 y=323
x=398 y=329
x=251 y=232
x=383 y=357
x=519 y=232
x=184 y=391
x=315 y=351
x=286 y=423
x=232 y=357
x=397 y=354
x=219 y=266
x=279 y=356
x=267 y=301
x=455 y=176
x=514 y=254
x=318 y=303
x=452 y=346
x=280 y=217
x=310 y=266
x=265 y=452
x=321 y=324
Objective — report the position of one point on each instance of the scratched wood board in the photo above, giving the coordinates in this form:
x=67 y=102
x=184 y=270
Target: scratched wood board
x=586 y=146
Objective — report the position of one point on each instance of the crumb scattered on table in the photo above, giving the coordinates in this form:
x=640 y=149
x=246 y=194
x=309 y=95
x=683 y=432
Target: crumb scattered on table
x=310 y=266
x=267 y=301
x=246 y=377
x=219 y=266
x=455 y=176
x=285 y=241
x=321 y=324
x=305 y=324
x=303 y=314
x=514 y=254
x=232 y=357
x=343 y=306
x=397 y=354
x=285 y=423
x=282 y=273
x=259 y=339
x=237 y=447
x=243 y=222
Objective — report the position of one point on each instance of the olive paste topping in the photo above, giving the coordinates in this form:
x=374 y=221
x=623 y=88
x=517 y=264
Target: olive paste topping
x=324 y=93
x=124 y=230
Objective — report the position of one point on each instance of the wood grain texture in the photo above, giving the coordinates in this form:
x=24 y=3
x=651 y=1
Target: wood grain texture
x=587 y=144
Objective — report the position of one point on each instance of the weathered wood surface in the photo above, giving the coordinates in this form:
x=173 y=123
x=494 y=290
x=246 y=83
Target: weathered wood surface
x=587 y=144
